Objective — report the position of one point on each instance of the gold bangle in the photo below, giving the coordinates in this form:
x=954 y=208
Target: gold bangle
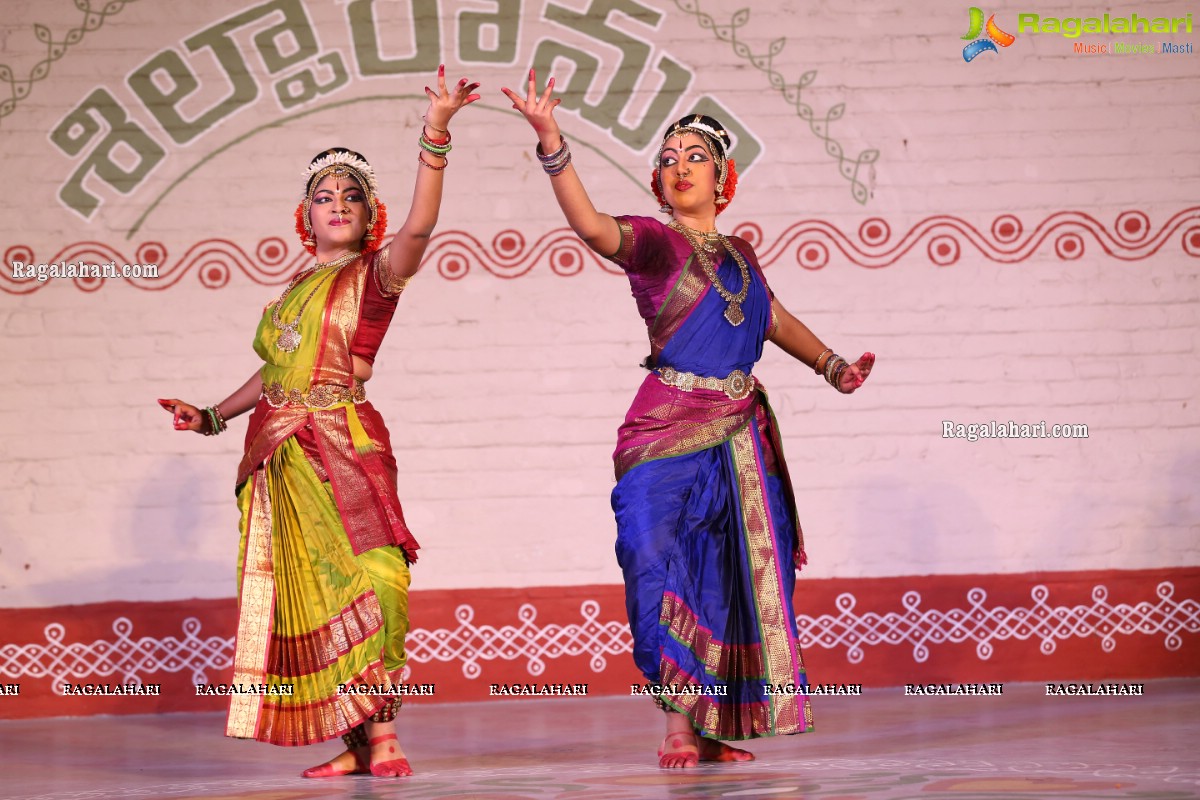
x=435 y=128
x=817 y=361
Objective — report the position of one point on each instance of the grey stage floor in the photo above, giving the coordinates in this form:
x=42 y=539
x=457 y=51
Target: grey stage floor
x=881 y=746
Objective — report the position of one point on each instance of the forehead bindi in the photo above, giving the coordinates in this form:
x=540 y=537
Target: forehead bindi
x=685 y=143
x=337 y=184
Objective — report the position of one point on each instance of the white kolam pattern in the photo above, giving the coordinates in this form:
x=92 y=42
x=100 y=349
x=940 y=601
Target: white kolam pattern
x=130 y=659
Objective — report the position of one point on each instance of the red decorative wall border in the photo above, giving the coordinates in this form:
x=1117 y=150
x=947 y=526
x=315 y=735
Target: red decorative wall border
x=873 y=631
x=453 y=254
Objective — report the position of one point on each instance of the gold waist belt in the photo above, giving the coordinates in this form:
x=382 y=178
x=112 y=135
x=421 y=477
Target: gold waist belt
x=736 y=386
x=324 y=395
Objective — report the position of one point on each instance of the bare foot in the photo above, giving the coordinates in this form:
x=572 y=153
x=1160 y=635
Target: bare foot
x=349 y=762
x=679 y=751
x=712 y=750
x=387 y=759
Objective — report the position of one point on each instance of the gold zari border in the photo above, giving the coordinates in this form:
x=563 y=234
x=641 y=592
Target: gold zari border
x=720 y=720
x=323 y=719
x=309 y=653
x=720 y=659
x=256 y=607
x=389 y=284
x=688 y=435
x=625 y=250
x=777 y=644
x=691 y=286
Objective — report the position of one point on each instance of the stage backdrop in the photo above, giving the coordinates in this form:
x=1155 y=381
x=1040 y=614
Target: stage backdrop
x=1005 y=209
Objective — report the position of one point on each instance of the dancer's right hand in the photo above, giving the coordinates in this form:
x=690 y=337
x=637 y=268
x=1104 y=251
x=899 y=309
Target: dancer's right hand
x=187 y=416
x=538 y=111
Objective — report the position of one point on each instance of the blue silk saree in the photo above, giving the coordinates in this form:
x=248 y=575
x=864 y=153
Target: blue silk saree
x=707 y=535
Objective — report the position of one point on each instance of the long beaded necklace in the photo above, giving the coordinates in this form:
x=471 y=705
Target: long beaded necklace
x=704 y=250
x=289 y=333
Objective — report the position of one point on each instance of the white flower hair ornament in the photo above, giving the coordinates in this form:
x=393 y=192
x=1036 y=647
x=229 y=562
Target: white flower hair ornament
x=341 y=158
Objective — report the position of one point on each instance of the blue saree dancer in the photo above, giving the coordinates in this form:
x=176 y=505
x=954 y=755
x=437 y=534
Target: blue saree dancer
x=707 y=531
x=706 y=523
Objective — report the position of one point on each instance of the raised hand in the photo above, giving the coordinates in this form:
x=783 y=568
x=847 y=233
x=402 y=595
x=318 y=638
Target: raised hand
x=445 y=102
x=538 y=110
x=598 y=231
x=856 y=374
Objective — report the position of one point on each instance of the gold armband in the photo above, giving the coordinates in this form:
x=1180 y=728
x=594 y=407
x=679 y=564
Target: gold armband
x=389 y=284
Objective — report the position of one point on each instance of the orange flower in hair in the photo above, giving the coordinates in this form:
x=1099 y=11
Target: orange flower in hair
x=306 y=237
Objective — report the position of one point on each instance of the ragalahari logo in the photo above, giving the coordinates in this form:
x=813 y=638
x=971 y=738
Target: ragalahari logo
x=994 y=37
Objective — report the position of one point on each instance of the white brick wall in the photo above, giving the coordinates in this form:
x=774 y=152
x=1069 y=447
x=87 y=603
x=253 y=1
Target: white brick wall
x=503 y=396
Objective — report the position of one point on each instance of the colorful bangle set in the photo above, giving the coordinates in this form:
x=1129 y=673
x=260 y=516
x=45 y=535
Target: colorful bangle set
x=557 y=161
x=437 y=147
x=835 y=365
x=216 y=423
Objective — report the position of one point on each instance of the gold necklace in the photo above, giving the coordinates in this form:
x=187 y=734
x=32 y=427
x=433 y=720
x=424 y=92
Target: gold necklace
x=706 y=238
x=703 y=249
x=289 y=333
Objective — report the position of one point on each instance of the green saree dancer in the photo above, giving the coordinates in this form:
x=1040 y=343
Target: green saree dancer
x=325 y=549
x=323 y=566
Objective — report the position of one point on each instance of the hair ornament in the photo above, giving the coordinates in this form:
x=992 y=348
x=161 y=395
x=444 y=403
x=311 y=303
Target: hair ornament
x=704 y=124
x=334 y=158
